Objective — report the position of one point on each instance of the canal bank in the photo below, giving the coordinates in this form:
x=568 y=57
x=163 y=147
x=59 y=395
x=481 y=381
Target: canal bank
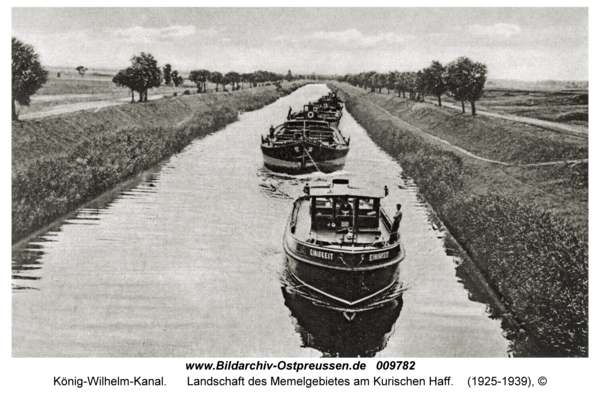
x=535 y=260
x=61 y=162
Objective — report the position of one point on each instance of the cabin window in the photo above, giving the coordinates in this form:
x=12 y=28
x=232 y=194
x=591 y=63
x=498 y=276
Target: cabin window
x=344 y=206
x=323 y=203
x=368 y=209
x=322 y=212
x=344 y=211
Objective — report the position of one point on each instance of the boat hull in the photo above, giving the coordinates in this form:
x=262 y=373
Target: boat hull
x=344 y=276
x=293 y=158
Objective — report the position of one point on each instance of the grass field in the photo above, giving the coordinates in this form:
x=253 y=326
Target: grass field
x=564 y=106
x=71 y=88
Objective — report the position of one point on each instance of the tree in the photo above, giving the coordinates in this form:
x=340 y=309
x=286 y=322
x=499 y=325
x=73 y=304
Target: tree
x=259 y=77
x=176 y=78
x=391 y=81
x=28 y=75
x=245 y=78
x=167 y=74
x=289 y=76
x=216 y=78
x=142 y=75
x=374 y=81
x=404 y=83
x=125 y=78
x=465 y=80
x=382 y=81
x=232 y=78
x=420 y=85
x=251 y=79
x=199 y=77
x=81 y=70
x=434 y=80
x=147 y=74
x=411 y=84
x=368 y=80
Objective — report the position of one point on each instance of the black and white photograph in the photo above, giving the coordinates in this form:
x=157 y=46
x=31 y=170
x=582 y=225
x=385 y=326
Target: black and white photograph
x=256 y=185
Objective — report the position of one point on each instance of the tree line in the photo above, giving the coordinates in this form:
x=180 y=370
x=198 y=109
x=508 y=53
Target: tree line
x=28 y=76
x=461 y=79
x=144 y=73
x=235 y=80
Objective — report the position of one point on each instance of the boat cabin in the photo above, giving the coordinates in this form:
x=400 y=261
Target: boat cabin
x=342 y=214
x=345 y=211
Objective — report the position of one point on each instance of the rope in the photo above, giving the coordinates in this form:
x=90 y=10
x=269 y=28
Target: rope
x=311 y=159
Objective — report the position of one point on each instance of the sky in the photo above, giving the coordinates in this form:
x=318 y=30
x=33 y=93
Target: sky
x=514 y=43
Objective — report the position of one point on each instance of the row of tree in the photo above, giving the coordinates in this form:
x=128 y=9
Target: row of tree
x=461 y=79
x=144 y=73
x=236 y=80
x=28 y=76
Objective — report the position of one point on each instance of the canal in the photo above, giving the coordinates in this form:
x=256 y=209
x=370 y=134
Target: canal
x=188 y=262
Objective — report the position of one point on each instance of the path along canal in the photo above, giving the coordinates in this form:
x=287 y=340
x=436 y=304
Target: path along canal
x=188 y=263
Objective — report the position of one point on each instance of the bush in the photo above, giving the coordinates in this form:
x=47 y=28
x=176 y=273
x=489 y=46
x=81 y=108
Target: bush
x=573 y=116
x=537 y=264
x=187 y=92
x=579 y=175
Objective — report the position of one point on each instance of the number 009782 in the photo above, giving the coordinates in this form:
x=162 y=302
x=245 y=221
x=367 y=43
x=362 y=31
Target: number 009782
x=395 y=365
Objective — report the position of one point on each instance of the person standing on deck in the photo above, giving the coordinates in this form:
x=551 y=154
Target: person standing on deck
x=306 y=189
x=396 y=224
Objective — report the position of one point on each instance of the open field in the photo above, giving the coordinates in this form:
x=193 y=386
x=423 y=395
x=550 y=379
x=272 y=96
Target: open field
x=565 y=106
x=71 y=88
x=524 y=226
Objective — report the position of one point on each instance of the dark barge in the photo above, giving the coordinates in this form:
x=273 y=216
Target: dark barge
x=340 y=242
x=304 y=146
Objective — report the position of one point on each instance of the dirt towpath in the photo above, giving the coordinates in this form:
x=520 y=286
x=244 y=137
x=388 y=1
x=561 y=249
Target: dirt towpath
x=468 y=153
x=554 y=126
x=71 y=107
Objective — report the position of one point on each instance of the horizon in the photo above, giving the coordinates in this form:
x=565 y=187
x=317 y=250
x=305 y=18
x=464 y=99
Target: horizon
x=524 y=44
x=69 y=68
x=115 y=70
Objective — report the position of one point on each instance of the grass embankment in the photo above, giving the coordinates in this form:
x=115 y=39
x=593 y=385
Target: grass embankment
x=534 y=254
x=60 y=163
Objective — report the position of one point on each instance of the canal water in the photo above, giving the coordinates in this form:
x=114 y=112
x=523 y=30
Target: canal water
x=189 y=263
